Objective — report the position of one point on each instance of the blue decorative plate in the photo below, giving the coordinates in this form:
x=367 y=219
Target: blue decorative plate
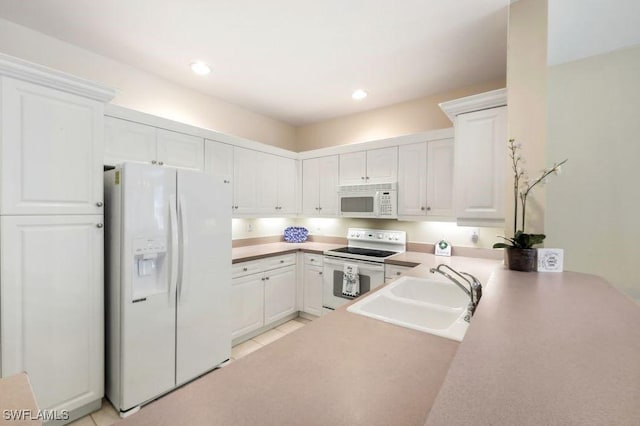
x=296 y=234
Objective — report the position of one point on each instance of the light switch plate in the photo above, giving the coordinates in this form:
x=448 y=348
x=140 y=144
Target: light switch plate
x=550 y=260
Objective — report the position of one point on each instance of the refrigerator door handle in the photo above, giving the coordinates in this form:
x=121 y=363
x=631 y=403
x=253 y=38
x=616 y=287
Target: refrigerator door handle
x=173 y=212
x=184 y=247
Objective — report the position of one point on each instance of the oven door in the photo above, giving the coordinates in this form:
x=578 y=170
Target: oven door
x=365 y=204
x=371 y=276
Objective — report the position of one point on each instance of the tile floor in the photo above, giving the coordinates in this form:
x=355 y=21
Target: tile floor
x=107 y=415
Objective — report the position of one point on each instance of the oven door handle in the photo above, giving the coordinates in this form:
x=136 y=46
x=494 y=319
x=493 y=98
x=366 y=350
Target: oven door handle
x=362 y=266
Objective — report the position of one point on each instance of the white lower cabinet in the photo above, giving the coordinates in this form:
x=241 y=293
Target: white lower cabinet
x=262 y=292
x=391 y=272
x=52 y=306
x=312 y=290
x=279 y=293
x=247 y=304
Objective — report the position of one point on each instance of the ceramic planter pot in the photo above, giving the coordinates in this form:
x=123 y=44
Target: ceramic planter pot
x=524 y=260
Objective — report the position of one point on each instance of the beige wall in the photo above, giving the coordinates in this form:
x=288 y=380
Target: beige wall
x=593 y=207
x=143 y=91
x=404 y=118
x=526 y=84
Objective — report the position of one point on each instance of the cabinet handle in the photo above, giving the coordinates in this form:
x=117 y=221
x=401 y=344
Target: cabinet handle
x=235 y=207
x=367 y=177
x=99 y=225
x=320 y=273
x=422 y=208
x=282 y=261
x=267 y=278
x=428 y=209
x=362 y=178
x=161 y=163
x=312 y=260
x=226 y=181
x=245 y=269
x=319 y=208
x=99 y=204
x=263 y=278
x=154 y=162
x=398 y=273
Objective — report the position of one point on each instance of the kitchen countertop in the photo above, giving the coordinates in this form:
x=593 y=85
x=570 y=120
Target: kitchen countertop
x=542 y=348
x=243 y=254
x=546 y=349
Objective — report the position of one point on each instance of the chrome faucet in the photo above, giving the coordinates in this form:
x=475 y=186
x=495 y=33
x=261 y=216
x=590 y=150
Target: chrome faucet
x=474 y=291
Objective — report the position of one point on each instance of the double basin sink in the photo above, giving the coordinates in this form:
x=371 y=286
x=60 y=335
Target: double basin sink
x=426 y=305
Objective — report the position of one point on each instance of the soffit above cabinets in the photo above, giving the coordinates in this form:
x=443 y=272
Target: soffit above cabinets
x=294 y=61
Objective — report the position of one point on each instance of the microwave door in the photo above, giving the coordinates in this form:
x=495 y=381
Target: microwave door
x=359 y=205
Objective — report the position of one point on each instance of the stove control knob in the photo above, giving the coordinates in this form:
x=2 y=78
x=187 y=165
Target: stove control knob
x=396 y=238
x=379 y=236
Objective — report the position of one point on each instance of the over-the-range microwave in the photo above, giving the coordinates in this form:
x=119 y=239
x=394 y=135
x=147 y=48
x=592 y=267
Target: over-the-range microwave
x=374 y=200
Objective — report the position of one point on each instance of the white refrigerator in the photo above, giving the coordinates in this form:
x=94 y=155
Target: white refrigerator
x=168 y=280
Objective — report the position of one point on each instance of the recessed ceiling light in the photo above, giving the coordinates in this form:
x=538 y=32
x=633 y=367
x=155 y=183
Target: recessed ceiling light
x=200 y=68
x=359 y=95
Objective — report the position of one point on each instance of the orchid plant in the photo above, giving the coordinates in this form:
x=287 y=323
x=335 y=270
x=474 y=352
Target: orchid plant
x=522 y=186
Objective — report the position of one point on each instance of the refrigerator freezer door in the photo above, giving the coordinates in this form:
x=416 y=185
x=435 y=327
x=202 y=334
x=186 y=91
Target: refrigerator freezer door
x=147 y=294
x=203 y=317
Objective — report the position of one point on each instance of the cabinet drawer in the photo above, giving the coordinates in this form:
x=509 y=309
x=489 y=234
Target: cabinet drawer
x=278 y=261
x=313 y=259
x=394 y=271
x=245 y=268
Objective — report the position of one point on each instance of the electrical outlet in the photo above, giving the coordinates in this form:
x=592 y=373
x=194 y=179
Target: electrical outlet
x=317 y=230
x=475 y=235
x=249 y=227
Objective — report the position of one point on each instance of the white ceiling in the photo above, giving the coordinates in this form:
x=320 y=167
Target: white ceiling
x=294 y=60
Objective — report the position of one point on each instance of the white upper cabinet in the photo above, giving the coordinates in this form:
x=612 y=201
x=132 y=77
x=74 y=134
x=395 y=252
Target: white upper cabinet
x=266 y=175
x=353 y=168
x=136 y=142
x=382 y=165
x=218 y=159
x=50 y=151
x=245 y=172
x=287 y=185
x=320 y=186
x=180 y=150
x=372 y=166
x=128 y=141
x=440 y=178
x=480 y=163
x=412 y=179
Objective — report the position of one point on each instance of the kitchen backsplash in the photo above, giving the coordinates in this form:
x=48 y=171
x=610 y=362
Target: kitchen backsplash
x=423 y=232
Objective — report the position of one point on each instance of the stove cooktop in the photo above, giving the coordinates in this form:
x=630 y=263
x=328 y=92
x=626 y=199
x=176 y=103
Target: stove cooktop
x=364 y=251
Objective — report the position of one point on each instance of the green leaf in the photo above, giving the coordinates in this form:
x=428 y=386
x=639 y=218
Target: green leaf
x=501 y=245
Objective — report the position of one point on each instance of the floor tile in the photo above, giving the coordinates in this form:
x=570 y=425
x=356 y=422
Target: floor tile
x=244 y=349
x=107 y=415
x=290 y=326
x=83 y=421
x=302 y=320
x=269 y=337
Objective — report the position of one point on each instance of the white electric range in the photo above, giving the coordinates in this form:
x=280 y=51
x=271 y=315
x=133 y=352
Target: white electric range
x=367 y=248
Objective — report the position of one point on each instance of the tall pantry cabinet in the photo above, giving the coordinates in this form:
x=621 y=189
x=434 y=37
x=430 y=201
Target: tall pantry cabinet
x=51 y=234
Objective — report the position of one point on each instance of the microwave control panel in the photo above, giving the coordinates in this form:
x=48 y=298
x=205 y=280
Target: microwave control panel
x=386 y=205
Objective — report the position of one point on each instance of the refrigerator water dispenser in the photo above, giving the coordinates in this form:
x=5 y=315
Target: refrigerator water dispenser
x=149 y=275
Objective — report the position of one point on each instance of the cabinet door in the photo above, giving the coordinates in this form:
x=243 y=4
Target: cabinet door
x=313 y=290
x=287 y=183
x=128 y=141
x=440 y=178
x=480 y=163
x=310 y=187
x=180 y=150
x=266 y=195
x=382 y=165
x=279 y=293
x=51 y=146
x=353 y=168
x=218 y=159
x=51 y=306
x=245 y=169
x=412 y=180
x=247 y=304
x=328 y=176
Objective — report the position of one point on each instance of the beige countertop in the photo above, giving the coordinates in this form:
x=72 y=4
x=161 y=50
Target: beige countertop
x=546 y=349
x=541 y=349
x=243 y=254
